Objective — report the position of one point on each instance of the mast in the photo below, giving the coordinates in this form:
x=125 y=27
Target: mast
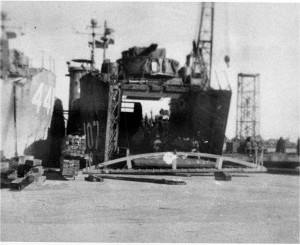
x=93 y=26
x=104 y=39
x=15 y=119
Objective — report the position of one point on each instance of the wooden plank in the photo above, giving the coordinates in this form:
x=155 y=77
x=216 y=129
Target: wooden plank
x=186 y=154
x=149 y=173
x=21 y=183
x=170 y=171
x=92 y=178
x=147 y=180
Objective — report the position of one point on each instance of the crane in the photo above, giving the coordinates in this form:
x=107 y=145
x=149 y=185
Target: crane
x=200 y=59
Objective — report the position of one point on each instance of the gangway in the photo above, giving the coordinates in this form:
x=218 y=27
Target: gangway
x=240 y=165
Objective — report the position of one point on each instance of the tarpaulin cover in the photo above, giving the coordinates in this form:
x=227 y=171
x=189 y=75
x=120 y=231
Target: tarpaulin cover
x=152 y=52
x=145 y=66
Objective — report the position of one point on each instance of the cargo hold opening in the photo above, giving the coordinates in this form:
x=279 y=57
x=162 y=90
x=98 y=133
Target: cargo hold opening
x=141 y=121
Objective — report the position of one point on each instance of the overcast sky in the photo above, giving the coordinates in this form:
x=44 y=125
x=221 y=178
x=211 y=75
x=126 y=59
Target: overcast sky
x=259 y=38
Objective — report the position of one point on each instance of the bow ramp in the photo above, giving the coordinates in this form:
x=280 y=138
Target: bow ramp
x=180 y=162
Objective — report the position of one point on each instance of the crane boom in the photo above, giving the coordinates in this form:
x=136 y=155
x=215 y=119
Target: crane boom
x=203 y=48
x=206 y=32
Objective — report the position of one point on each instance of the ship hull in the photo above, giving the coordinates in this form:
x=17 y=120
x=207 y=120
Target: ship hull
x=93 y=114
x=26 y=110
x=201 y=115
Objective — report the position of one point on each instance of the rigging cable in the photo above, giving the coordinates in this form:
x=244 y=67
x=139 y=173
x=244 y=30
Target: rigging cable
x=227 y=48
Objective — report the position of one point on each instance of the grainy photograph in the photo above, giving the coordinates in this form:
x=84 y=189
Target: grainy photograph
x=149 y=122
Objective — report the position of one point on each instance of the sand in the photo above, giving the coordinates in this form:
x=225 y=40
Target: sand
x=255 y=208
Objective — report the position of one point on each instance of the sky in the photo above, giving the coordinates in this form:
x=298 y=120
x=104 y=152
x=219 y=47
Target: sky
x=259 y=38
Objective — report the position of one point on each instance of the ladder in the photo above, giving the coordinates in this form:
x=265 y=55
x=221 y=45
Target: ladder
x=113 y=119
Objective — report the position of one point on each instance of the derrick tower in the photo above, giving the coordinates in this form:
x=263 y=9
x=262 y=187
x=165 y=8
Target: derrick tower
x=200 y=59
x=248 y=106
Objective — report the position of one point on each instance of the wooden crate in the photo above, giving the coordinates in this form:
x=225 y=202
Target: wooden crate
x=222 y=176
x=20 y=183
x=69 y=167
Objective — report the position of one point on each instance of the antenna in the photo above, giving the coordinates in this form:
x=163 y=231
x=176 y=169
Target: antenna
x=93 y=26
x=43 y=53
x=53 y=65
x=227 y=48
x=106 y=39
x=9 y=34
x=50 y=62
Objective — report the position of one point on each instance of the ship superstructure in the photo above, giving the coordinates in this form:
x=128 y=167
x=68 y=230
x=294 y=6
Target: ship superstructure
x=197 y=111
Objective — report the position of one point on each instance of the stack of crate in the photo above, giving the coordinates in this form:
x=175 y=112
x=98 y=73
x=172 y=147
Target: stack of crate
x=74 y=146
x=29 y=170
x=69 y=167
x=73 y=150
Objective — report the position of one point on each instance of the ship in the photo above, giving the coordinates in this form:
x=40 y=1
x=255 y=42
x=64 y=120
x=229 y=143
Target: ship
x=106 y=105
x=28 y=104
